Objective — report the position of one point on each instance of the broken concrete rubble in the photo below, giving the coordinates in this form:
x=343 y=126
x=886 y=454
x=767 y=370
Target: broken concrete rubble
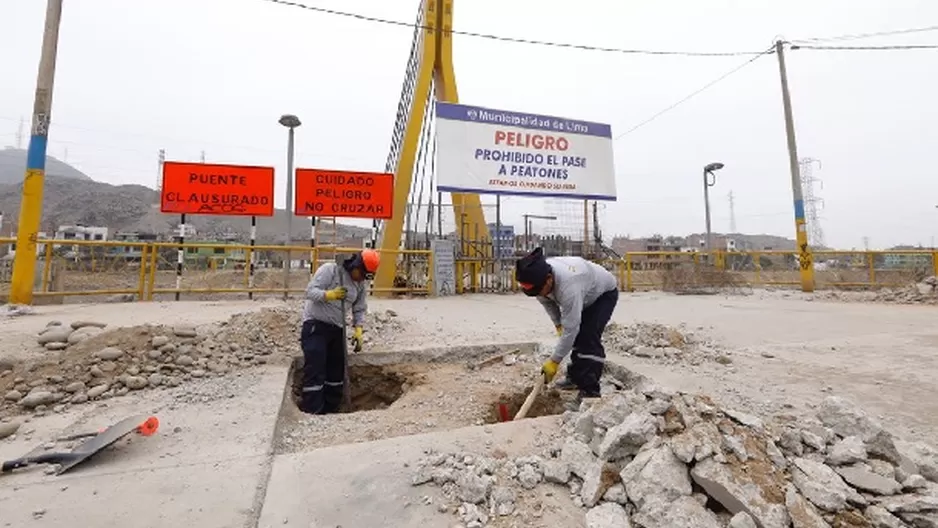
x=690 y=464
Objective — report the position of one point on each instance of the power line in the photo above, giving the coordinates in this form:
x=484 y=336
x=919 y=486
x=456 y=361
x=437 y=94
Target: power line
x=694 y=93
x=516 y=40
x=856 y=36
x=865 y=48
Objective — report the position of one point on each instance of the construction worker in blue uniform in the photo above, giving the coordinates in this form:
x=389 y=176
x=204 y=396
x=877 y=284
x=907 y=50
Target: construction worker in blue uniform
x=322 y=337
x=579 y=297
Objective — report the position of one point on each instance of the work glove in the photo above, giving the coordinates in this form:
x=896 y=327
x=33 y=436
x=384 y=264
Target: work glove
x=336 y=294
x=357 y=339
x=559 y=330
x=549 y=369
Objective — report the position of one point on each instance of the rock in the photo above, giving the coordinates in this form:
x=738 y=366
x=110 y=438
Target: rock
x=529 y=477
x=881 y=518
x=159 y=341
x=626 y=438
x=54 y=334
x=861 y=477
x=108 y=354
x=616 y=493
x=154 y=354
x=845 y=419
x=185 y=361
x=910 y=503
x=655 y=473
x=184 y=331
x=75 y=386
x=13 y=395
x=96 y=372
x=920 y=458
x=155 y=379
x=744 y=419
x=8 y=428
x=802 y=513
x=742 y=520
x=97 y=390
x=684 y=512
x=79 y=398
x=612 y=412
x=819 y=484
x=577 y=456
x=55 y=345
x=737 y=491
x=78 y=325
x=607 y=515
x=82 y=334
x=556 y=471
x=914 y=482
x=600 y=477
x=848 y=451
x=135 y=382
x=37 y=398
x=503 y=500
x=472 y=488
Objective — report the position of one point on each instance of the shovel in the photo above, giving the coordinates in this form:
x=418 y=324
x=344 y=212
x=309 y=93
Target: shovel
x=145 y=426
x=529 y=401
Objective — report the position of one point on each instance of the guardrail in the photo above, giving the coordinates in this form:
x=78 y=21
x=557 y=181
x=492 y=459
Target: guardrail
x=148 y=271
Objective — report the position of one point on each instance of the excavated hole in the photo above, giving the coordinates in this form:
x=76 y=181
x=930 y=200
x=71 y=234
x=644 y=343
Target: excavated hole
x=373 y=387
x=548 y=403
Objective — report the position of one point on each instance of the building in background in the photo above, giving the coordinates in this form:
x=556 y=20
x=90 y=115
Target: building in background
x=81 y=232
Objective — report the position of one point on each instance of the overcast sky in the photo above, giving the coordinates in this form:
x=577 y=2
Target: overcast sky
x=214 y=76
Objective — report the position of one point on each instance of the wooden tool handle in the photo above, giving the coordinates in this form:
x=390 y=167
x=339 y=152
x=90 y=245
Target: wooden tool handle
x=529 y=401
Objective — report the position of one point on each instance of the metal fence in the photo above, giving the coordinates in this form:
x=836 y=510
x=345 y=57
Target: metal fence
x=96 y=271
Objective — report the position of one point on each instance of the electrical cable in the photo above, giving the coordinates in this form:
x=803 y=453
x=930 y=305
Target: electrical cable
x=695 y=93
x=515 y=40
x=796 y=47
x=857 y=36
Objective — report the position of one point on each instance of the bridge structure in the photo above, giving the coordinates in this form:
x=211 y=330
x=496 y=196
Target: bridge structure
x=430 y=76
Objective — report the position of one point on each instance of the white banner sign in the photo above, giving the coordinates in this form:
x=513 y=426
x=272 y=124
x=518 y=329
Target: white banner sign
x=480 y=150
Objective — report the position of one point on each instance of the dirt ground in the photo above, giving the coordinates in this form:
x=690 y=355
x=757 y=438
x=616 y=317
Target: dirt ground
x=786 y=352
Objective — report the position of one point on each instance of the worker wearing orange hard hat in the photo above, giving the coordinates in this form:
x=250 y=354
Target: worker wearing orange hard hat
x=333 y=286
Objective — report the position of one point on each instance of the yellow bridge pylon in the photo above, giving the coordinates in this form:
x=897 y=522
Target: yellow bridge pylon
x=435 y=68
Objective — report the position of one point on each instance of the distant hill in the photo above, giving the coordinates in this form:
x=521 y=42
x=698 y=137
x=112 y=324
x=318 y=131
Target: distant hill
x=13 y=167
x=135 y=208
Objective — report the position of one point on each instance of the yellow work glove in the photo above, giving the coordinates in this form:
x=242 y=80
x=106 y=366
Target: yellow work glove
x=336 y=294
x=549 y=369
x=559 y=330
x=357 y=339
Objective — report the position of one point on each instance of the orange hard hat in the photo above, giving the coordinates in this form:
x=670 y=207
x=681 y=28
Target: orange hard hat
x=370 y=260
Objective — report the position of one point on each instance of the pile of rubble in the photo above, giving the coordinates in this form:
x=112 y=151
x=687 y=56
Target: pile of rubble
x=87 y=362
x=660 y=342
x=925 y=292
x=653 y=459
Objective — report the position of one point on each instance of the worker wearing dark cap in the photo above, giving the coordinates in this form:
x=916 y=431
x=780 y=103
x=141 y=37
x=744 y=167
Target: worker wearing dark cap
x=332 y=287
x=579 y=296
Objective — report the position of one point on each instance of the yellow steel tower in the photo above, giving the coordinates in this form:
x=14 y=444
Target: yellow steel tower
x=436 y=68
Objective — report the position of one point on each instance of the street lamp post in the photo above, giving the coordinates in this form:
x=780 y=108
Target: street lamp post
x=291 y=122
x=709 y=180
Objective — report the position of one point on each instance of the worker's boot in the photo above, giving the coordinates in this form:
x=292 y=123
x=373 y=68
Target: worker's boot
x=564 y=384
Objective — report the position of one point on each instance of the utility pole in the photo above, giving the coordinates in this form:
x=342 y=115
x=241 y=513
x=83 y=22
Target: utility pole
x=24 y=262
x=19 y=133
x=805 y=258
x=732 y=212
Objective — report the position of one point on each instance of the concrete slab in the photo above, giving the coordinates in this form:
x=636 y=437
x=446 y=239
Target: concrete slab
x=203 y=468
x=368 y=485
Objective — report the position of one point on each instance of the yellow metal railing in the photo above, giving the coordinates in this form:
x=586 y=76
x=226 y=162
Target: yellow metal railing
x=146 y=270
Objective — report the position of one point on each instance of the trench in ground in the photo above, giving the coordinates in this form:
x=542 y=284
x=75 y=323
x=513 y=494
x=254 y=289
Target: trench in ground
x=373 y=387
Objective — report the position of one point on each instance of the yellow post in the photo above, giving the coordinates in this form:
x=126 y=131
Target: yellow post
x=436 y=63
x=142 y=280
x=934 y=263
x=870 y=260
x=628 y=272
x=154 y=251
x=24 y=262
x=46 y=268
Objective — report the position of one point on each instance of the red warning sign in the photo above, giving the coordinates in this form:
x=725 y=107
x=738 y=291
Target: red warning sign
x=204 y=188
x=344 y=194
